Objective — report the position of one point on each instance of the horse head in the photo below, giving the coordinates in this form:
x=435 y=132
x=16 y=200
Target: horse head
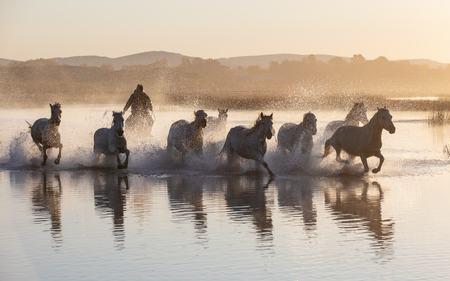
x=384 y=119
x=56 y=112
x=310 y=122
x=200 y=118
x=118 y=121
x=223 y=113
x=265 y=122
x=359 y=113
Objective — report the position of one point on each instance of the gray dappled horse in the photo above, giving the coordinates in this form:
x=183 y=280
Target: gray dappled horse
x=362 y=141
x=45 y=135
x=298 y=136
x=357 y=114
x=185 y=137
x=216 y=126
x=111 y=141
x=250 y=143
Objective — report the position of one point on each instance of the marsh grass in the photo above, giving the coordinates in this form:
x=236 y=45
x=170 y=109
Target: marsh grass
x=437 y=117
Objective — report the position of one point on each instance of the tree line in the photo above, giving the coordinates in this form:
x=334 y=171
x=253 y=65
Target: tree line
x=206 y=81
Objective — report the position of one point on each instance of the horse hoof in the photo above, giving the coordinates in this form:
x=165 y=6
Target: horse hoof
x=120 y=167
x=57 y=161
x=375 y=170
x=366 y=170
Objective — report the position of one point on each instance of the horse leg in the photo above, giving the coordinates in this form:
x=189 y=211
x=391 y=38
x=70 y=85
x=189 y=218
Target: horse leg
x=364 y=161
x=381 y=157
x=338 y=154
x=58 y=158
x=127 y=154
x=119 y=164
x=271 y=174
x=44 y=155
x=39 y=146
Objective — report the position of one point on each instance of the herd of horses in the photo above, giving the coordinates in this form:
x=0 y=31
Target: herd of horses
x=250 y=143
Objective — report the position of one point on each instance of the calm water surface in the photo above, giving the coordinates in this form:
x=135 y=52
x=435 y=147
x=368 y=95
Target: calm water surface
x=188 y=223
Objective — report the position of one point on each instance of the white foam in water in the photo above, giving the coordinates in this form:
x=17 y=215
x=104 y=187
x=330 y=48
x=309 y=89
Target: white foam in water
x=148 y=155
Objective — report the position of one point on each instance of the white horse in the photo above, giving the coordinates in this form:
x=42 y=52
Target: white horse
x=362 y=141
x=250 y=143
x=185 y=137
x=357 y=114
x=45 y=135
x=112 y=141
x=216 y=126
x=292 y=136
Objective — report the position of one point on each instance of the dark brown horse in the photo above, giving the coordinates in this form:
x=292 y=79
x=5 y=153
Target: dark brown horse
x=363 y=141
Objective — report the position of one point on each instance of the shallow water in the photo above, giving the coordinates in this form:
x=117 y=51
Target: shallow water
x=163 y=221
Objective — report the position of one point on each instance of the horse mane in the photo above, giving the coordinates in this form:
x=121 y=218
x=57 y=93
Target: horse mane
x=255 y=126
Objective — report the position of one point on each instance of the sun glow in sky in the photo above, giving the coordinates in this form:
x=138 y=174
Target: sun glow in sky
x=209 y=28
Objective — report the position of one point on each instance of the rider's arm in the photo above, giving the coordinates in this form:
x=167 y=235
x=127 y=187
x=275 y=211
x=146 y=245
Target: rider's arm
x=128 y=104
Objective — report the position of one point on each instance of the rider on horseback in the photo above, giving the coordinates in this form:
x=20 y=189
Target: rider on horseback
x=141 y=108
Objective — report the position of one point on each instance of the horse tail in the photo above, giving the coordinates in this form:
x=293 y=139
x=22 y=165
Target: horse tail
x=327 y=148
x=29 y=124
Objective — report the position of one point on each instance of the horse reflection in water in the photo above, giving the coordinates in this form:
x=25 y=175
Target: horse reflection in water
x=46 y=199
x=110 y=200
x=353 y=207
x=246 y=197
x=186 y=201
x=295 y=198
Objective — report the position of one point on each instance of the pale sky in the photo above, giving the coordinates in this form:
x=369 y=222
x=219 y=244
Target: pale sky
x=396 y=29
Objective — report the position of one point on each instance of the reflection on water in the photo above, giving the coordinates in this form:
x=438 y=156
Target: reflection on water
x=110 y=200
x=295 y=197
x=354 y=207
x=46 y=200
x=170 y=227
x=186 y=201
x=246 y=200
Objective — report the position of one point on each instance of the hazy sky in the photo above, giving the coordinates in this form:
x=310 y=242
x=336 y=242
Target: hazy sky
x=210 y=28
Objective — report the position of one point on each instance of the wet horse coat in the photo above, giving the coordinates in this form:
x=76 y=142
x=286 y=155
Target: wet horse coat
x=45 y=134
x=292 y=136
x=363 y=141
x=185 y=137
x=111 y=141
x=250 y=143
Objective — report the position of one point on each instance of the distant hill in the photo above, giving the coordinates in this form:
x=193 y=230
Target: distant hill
x=144 y=58
x=430 y=63
x=174 y=59
x=6 y=61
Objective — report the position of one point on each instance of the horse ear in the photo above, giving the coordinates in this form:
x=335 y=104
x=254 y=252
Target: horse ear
x=226 y=110
x=261 y=115
x=50 y=105
x=271 y=115
x=195 y=113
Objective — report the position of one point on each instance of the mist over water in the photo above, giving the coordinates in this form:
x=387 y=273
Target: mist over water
x=416 y=148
